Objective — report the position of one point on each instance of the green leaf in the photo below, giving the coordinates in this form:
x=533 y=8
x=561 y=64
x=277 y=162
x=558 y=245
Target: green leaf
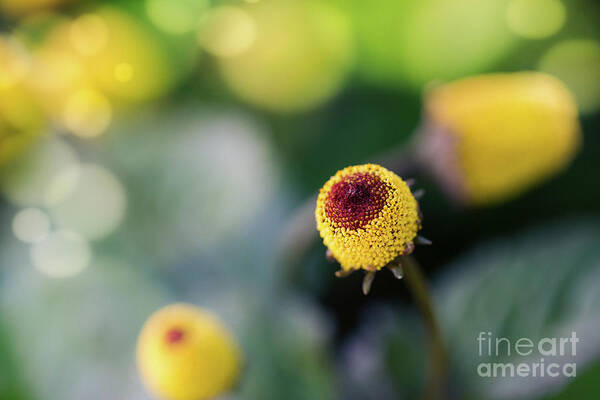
x=535 y=285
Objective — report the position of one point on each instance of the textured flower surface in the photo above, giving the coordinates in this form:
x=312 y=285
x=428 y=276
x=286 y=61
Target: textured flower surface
x=490 y=137
x=185 y=353
x=367 y=216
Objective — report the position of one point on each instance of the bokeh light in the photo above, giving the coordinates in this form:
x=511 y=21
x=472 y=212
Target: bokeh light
x=224 y=152
x=25 y=181
x=89 y=34
x=577 y=63
x=414 y=42
x=107 y=50
x=130 y=51
x=58 y=73
x=87 y=113
x=227 y=31
x=13 y=64
x=112 y=301
x=21 y=118
x=61 y=254
x=87 y=68
x=176 y=16
x=31 y=225
x=535 y=19
x=300 y=58
x=214 y=174
x=87 y=199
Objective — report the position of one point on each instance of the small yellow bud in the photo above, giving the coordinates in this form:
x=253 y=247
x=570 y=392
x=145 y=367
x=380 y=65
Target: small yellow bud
x=185 y=353
x=490 y=137
x=367 y=216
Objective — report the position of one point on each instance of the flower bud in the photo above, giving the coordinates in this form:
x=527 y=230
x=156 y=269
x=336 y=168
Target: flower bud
x=367 y=217
x=185 y=353
x=490 y=137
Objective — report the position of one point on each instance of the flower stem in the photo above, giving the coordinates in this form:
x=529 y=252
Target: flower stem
x=436 y=385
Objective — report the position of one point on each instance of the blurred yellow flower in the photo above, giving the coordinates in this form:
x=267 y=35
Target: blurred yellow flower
x=87 y=68
x=367 y=216
x=490 y=137
x=107 y=50
x=185 y=353
x=65 y=89
x=129 y=63
x=21 y=119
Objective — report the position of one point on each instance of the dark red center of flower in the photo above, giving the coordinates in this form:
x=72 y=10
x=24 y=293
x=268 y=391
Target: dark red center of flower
x=356 y=200
x=174 y=335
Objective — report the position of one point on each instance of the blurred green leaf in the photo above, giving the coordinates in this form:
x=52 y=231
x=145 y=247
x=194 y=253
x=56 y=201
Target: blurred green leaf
x=536 y=284
x=541 y=283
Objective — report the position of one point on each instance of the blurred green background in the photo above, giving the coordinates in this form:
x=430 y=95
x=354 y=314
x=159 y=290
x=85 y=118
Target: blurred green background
x=154 y=151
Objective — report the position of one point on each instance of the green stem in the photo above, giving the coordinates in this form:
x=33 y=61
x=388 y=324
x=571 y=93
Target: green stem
x=436 y=386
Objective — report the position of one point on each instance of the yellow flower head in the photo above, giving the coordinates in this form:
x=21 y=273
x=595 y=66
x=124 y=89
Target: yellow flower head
x=185 y=353
x=367 y=216
x=490 y=137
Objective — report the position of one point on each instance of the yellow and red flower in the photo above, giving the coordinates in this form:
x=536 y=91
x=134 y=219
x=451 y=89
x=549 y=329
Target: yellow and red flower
x=186 y=353
x=367 y=217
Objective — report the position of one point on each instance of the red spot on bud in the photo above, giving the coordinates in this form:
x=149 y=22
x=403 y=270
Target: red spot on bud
x=356 y=200
x=174 y=335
